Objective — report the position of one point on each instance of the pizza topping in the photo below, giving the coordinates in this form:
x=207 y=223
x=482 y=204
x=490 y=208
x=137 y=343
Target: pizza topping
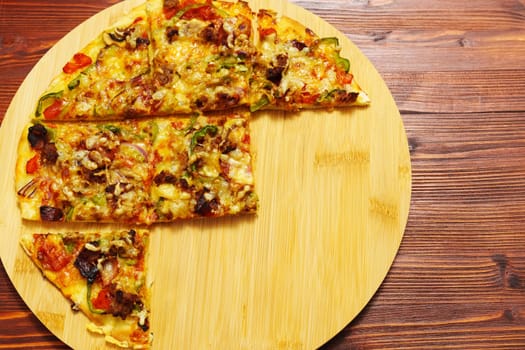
x=37 y=136
x=264 y=32
x=343 y=63
x=199 y=135
x=124 y=303
x=110 y=127
x=263 y=101
x=214 y=33
x=102 y=302
x=333 y=42
x=299 y=45
x=44 y=99
x=143 y=320
x=74 y=83
x=116 y=189
x=307 y=97
x=198 y=11
x=49 y=153
x=227 y=100
x=171 y=3
x=116 y=36
x=206 y=204
x=32 y=164
x=29 y=189
x=54 y=110
x=87 y=263
x=51 y=254
x=173 y=7
x=339 y=95
x=172 y=34
x=108 y=270
x=79 y=61
x=163 y=76
x=142 y=42
x=134 y=150
x=275 y=72
x=164 y=177
x=48 y=213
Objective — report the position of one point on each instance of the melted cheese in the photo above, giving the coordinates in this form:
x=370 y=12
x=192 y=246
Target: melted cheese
x=239 y=169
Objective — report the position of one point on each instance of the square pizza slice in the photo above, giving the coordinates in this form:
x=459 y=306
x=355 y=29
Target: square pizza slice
x=203 y=54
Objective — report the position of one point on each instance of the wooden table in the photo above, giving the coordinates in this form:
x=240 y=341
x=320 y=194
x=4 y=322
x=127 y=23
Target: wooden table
x=457 y=72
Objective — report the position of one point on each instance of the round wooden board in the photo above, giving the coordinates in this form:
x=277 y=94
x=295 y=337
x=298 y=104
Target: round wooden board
x=334 y=193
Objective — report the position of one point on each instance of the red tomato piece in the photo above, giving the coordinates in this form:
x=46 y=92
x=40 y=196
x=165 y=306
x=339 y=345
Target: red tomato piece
x=103 y=300
x=264 y=32
x=246 y=138
x=170 y=12
x=205 y=13
x=32 y=164
x=343 y=77
x=308 y=98
x=53 y=110
x=78 y=61
x=178 y=125
x=181 y=6
x=52 y=256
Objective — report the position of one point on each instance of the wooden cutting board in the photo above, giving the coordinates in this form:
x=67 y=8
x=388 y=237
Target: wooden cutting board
x=334 y=193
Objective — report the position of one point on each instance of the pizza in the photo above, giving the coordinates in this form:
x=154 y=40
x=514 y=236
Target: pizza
x=297 y=69
x=104 y=275
x=150 y=123
x=138 y=171
x=171 y=57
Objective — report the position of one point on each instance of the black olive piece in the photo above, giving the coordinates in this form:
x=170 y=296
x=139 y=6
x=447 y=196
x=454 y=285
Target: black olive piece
x=37 y=136
x=206 y=207
x=87 y=264
x=142 y=41
x=48 y=213
x=275 y=74
x=164 y=177
x=299 y=45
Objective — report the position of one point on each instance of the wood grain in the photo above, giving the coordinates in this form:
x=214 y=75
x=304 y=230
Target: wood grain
x=458 y=280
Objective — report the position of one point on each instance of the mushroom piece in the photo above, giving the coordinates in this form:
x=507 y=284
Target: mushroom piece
x=117 y=36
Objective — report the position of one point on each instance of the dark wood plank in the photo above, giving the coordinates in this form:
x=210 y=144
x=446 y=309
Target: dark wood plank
x=19 y=328
x=362 y=16
x=459 y=92
x=457 y=71
x=458 y=281
x=28 y=29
